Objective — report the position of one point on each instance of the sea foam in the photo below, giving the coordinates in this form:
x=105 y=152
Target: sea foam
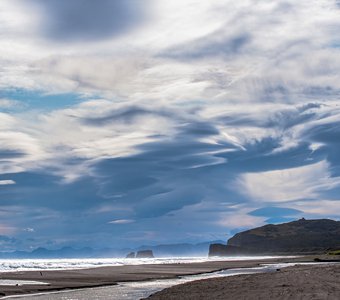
x=16 y=265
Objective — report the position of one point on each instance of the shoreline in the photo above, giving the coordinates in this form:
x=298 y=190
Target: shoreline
x=61 y=280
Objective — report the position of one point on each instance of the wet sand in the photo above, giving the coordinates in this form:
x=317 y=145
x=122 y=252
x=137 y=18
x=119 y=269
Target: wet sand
x=103 y=276
x=300 y=282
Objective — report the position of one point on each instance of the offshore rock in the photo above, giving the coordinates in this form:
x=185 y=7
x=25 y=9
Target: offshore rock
x=145 y=254
x=131 y=255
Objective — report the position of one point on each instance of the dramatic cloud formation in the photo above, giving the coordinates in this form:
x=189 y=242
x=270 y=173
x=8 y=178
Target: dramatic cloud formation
x=130 y=122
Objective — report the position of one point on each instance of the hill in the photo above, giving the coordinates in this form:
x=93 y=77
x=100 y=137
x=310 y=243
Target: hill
x=302 y=236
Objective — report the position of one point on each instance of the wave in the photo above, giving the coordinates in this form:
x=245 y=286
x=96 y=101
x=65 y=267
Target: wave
x=16 y=265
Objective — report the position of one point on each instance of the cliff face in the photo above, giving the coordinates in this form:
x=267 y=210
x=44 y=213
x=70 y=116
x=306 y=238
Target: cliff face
x=226 y=250
x=294 y=237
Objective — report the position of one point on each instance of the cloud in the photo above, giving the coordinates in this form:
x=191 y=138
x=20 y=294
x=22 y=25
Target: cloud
x=123 y=221
x=85 y=20
x=240 y=220
x=252 y=62
x=290 y=184
x=320 y=208
x=215 y=44
x=6 y=104
x=277 y=214
x=6 y=182
x=274 y=212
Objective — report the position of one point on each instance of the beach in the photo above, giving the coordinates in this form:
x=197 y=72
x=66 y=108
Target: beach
x=299 y=282
x=57 y=280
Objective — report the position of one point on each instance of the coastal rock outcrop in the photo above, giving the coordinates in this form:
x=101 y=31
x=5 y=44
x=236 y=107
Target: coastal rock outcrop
x=226 y=250
x=145 y=254
x=302 y=236
x=131 y=255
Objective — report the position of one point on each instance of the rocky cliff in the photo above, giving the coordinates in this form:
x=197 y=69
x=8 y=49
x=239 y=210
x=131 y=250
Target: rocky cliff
x=145 y=254
x=302 y=236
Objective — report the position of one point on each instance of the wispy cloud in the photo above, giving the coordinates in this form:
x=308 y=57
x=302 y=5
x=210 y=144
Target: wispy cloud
x=123 y=221
x=306 y=182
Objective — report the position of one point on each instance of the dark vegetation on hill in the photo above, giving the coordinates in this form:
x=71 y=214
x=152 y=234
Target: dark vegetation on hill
x=302 y=236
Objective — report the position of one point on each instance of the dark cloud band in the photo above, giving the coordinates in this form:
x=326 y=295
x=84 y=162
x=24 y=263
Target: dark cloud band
x=86 y=20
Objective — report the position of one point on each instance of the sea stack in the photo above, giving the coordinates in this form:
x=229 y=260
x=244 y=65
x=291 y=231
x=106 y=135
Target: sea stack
x=145 y=254
x=131 y=255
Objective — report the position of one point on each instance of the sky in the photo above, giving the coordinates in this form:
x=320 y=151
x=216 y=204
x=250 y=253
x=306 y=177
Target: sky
x=128 y=122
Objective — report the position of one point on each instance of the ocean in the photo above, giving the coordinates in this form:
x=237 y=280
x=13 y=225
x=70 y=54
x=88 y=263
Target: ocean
x=15 y=265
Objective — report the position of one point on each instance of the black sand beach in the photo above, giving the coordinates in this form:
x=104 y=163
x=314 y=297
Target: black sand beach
x=314 y=282
x=103 y=276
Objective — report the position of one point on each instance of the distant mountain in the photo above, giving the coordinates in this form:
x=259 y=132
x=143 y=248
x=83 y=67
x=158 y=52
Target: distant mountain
x=200 y=249
x=302 y=236
x=66 y=252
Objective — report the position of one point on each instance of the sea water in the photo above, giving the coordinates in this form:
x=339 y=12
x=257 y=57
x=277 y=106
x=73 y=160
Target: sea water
x=9 y=265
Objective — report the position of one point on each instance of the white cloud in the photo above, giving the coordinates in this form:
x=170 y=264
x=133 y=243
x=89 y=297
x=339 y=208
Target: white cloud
x=288 y=184
x=9 y=103
x=240 y=219
x=92 y=130
x=237 y=216
x=7 y=182
x=122 y=221
x=319 y=208
x=281 y=51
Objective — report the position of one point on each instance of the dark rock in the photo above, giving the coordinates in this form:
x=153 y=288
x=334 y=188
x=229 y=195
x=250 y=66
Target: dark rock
x=183 y=249
x=131 y=255
x=226 y=250
x=145 y=254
